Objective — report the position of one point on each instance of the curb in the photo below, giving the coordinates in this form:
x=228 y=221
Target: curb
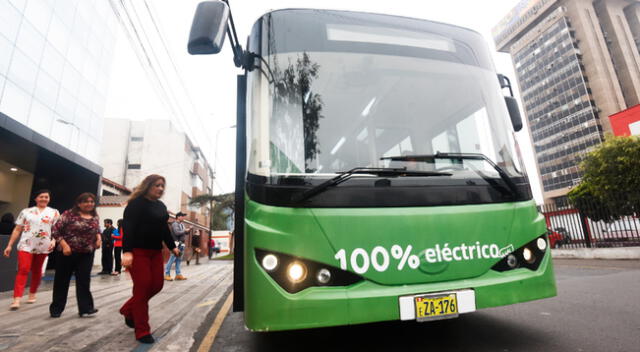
x=597 y=253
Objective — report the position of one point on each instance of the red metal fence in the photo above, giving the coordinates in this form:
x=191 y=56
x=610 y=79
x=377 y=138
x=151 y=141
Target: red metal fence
x=569 y=228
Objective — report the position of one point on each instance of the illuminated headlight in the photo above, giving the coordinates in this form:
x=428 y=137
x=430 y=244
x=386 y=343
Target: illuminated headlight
x=541 y=243
x=269 y=262
x=324 y=275
x=296 y=272
x=528 y=256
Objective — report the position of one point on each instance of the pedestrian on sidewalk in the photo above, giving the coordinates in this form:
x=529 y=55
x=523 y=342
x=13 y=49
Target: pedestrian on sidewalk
x=33 y=227
x=117 y=248
x=212 y=246
x=107 y=247
x=178 y=231
x=145 y=228
x=195 y=247
x=78 y=236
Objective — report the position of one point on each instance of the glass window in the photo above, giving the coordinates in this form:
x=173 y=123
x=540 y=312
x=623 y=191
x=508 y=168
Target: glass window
x=40 y=118
x=38 y=13
x=30 y=41
x=15 y=102
x=59 y=35
x=23 y=71
x=46 y=89
x=134 y=166
x=52 y=62
x=71 y=79
x=66 y=105
x=61 y=133
x=10 y=19
x=6 y=48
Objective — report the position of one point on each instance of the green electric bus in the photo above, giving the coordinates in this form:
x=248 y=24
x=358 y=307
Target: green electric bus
x=377 y=175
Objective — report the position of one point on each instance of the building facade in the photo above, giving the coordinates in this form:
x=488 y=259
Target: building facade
x=136 y=149
x=55 y=60
x=576 y=62
x=626 y=122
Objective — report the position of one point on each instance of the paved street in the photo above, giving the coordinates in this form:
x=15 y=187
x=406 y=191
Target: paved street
x=176 y=313
x=596 y=310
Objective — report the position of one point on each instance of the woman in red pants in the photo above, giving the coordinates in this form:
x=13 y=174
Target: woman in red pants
x=145 y=228
x=33 y=227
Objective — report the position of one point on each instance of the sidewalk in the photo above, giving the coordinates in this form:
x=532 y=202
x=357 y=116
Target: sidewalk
x=176 y=313
x=597 y=253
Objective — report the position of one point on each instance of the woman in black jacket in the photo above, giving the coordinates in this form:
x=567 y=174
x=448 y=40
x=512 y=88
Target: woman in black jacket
x=145 y=228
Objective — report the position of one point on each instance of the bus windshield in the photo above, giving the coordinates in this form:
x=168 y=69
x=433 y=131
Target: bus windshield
x=353 y=94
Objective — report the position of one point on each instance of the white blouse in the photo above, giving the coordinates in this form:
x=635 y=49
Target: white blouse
x=36 y=229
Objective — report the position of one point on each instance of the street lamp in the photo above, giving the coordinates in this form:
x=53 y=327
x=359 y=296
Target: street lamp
x=215 y=160
x=69 y=123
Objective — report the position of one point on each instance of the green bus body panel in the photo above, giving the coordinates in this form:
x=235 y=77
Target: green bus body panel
x=318 y=234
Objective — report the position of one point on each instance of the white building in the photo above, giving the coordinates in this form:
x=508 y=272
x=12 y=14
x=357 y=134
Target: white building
x=136 y=149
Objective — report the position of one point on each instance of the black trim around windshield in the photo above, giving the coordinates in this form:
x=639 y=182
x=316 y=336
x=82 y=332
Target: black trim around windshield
x=374 y=192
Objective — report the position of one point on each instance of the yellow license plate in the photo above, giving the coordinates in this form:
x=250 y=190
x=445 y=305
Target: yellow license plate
x=434 y=307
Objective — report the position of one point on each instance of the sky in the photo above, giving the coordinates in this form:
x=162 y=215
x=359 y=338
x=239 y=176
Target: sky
x=203 y=87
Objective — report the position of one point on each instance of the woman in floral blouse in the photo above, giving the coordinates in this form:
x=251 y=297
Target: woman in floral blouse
x=33 y=227
x=78 y=235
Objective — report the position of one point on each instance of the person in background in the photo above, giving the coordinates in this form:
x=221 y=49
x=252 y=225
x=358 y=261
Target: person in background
x=145 y=229
x=195 y=247
x=7 y=224
x=212 y=247
x=78 y=235
x=33 y=227
x=107 y=247
x=178 y=231
x=117 y=248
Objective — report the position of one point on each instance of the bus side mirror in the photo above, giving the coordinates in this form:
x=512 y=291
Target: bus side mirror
x=514 y=113
x=512 y=103
x=209 y=28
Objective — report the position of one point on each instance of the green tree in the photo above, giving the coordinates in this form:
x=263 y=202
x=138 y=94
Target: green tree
x=611 y=179
x=222 y=207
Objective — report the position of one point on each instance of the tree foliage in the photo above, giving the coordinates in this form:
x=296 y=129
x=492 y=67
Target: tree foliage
x=222 y=205
x=611 y=179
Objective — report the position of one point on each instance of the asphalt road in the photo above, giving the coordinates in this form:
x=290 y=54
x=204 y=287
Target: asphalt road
x=597 y=309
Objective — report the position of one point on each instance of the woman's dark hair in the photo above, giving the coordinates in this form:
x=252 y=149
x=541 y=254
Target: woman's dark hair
x=8 y=217
x=41 y=191
x=145 y=186
x=119 y=224
x=81 y=198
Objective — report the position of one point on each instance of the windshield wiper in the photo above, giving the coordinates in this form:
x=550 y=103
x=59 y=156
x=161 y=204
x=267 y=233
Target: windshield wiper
x=463 y=156
x=378 y=171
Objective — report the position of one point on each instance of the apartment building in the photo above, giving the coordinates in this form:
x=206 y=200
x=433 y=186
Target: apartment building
x=135 y=149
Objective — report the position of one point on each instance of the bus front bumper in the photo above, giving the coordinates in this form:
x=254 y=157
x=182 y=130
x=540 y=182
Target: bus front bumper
x=269 y=308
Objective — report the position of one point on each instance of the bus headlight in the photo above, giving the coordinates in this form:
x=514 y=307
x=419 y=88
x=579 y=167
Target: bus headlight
x=528 y=256
x=269 y=262
x=295 y=274
x=324 y=275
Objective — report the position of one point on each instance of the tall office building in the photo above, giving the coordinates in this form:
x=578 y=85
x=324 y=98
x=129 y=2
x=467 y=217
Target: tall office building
x=577 y=62
x=55 y=59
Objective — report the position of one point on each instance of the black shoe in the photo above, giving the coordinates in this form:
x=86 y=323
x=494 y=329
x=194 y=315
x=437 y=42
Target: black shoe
x=89 y=313
x=103 y=273
x=56 y=315
x=146 y=339
x=129 y=322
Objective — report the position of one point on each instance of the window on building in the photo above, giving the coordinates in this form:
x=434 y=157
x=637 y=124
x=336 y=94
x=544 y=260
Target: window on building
x=134 y=166
x=137 y=139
